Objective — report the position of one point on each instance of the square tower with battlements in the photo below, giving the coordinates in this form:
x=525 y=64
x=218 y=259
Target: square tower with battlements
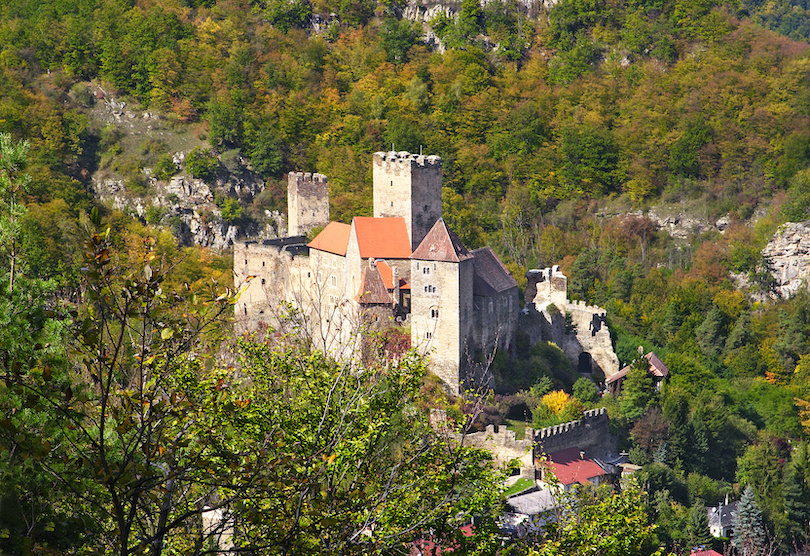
x=409 y=186
x=307 y=202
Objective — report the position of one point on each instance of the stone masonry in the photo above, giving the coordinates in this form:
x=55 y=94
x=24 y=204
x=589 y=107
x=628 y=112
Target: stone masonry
x=307 y=202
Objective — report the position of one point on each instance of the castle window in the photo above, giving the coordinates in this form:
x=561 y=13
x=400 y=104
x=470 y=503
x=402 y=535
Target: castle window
x=434 y=312
x=417 y=266
x=426 y=208
x=334 y=281
x=425 y=270
x=262 y=264
x=490 y=306
x=263 y=281
x=245 y=306
x=392 y=185
x=428 y=335
x=245 y=262
x=434 y=266
x=392 y=204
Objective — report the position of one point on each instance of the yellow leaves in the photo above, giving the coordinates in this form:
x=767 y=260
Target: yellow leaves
x=556 y=401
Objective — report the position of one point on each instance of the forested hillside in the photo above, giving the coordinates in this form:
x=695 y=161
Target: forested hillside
x=559 y=126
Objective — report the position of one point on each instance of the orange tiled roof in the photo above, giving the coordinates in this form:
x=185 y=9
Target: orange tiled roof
x=384 y=238
x=388 y=276
x=332 y=239
x=372 y=289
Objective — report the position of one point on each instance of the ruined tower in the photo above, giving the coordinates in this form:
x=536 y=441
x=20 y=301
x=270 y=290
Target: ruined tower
x=307 y=202
x=410 y=186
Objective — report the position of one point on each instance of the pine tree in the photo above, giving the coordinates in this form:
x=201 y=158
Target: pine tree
x=748 y=536
x=698 y=524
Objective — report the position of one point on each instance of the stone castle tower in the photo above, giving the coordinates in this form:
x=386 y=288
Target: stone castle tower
x=442 y=272
x=410 y=186
x=307 y=202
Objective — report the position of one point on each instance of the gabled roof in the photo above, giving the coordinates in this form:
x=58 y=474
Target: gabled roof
x=372 y=288
x=533 y=503
x=333 y=238
x=388 y=276
x=441 y=244
x=657 y=368
x=491 y=276
x=384 y=238
x=570 y=467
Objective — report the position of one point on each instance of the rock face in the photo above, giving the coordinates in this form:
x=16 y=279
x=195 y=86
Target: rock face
x=186 y=205
x=789 y=254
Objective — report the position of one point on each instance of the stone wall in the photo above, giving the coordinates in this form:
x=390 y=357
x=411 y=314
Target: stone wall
x=789 y=254
x=591 y=434
x=584 y=337
x=501 y=443
x=409 y=186
x=307 y=202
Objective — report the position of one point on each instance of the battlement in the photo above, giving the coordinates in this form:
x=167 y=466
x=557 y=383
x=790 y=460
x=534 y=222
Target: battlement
x=590 y=433
x=404 y=157
x=307 y=202
x=306 y=177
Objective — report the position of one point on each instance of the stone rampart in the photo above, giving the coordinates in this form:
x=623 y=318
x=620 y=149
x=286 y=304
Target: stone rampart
x=501 y=443
x=591 y=434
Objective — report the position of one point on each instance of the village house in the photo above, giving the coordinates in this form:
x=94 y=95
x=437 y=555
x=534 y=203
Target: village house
x=656 y=369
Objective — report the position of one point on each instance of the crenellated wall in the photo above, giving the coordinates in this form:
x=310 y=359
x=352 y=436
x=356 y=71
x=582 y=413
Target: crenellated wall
x=590 y=434
x=583 y=335
x=502 y=444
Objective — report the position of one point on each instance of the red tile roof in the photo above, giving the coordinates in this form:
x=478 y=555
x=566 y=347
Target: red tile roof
x=441 y=244
x=708 y=552
x=388 y=276
x=333 y=238
x=384 y=238
x=570 y=467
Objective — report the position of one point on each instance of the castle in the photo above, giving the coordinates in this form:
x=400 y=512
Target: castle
x=403 y=266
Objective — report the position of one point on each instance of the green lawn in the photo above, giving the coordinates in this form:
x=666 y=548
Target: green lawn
x=521 y=484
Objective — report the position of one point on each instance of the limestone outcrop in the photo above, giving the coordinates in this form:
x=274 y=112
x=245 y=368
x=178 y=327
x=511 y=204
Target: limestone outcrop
x=789 y=255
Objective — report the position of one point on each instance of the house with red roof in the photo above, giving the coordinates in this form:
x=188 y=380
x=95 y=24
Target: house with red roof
x=571 y=467
x=656 y=369
x=404 y=264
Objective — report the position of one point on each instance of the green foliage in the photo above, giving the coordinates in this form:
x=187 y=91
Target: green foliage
x=584 y=390
x=698 y=525
x=165 y=167
x=231 y=209
x=397 y=36
x=638 y=390
x=288 y=14
x=610 y=523
x=202 y=164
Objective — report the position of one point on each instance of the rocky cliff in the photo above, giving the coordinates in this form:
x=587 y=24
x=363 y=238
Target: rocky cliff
x=789 y=254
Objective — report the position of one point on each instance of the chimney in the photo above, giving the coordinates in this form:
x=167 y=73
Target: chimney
x=582 y=454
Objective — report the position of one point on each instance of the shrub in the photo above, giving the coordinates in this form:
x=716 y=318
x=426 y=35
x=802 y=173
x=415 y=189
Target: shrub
x=202 y=163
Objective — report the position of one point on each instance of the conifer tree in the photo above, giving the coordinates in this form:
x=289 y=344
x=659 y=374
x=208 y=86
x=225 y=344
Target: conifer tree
x=748 y=536
x=698 y=524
